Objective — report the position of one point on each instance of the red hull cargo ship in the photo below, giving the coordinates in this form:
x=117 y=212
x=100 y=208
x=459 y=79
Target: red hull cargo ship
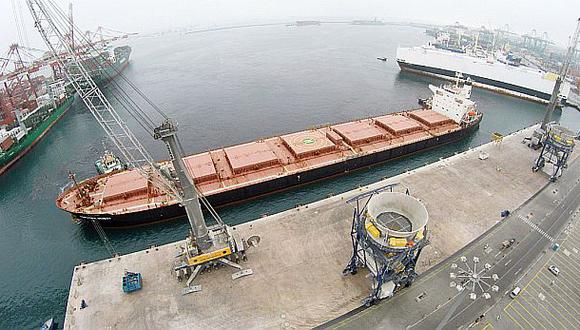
x=233 y=174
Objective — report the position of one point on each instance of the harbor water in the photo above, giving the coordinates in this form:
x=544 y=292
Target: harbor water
x=223 y=87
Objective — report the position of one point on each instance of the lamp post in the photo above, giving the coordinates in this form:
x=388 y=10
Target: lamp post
x=471 y=278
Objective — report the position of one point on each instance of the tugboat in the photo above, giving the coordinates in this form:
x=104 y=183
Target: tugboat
x=108 y=163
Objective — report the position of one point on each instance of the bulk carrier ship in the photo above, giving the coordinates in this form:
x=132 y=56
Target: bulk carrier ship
x=494 y=72
x=237 y=173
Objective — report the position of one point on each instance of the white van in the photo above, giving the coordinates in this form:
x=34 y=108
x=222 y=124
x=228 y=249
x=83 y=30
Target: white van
x=515 y=292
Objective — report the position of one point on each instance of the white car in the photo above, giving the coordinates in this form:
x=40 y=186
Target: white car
x=554 y=270
x=515 y=292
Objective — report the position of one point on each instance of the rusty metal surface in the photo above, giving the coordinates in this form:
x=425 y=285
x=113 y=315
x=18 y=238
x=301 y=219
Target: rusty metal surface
x=250 y=156
x=360 y=132
x=398 y=124
x=430 y=117
x=201 y=167
x=308 y=143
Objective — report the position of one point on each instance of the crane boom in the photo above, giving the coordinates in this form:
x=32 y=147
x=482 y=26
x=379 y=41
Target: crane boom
x=53 y=26
x=116 y=129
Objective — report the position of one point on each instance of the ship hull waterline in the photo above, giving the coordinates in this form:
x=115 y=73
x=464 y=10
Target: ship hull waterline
x=242 y=194
x=67 y=104
x=481 y=82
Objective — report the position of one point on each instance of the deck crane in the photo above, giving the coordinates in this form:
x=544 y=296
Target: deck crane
x=205 y=246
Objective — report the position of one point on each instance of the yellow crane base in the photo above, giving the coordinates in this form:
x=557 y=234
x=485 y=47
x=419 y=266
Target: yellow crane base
x=202 y=258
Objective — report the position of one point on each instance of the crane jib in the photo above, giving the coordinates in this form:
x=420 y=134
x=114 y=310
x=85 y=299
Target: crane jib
x=53 y=25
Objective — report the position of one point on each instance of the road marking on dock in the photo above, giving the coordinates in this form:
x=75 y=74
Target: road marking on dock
x=488 y=325
x=522 y=317
x=526 y=311
x=513 y=319
x=536 y=228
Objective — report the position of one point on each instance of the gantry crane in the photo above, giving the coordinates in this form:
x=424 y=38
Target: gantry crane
x=557 y=142
x=541 y=133
x=205 y=246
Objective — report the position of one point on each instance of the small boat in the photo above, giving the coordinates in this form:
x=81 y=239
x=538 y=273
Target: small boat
x=425 y=103
x=384 y=59
x=48 y=325
x=108 y=163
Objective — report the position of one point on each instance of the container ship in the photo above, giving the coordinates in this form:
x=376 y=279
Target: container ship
x=106 y=62
x=237 y=173
x=33 y=99
x=496 y=72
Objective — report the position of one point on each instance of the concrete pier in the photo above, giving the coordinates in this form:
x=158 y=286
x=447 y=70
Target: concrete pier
x=297 y=281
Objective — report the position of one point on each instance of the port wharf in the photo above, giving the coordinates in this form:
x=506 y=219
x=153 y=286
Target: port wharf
x=297 y=279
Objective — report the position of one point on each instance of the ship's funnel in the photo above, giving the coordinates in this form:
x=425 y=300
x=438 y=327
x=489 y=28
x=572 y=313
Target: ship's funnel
x=398 y=219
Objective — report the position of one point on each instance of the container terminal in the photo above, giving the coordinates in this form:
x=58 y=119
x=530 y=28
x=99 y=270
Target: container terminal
x=524 y=66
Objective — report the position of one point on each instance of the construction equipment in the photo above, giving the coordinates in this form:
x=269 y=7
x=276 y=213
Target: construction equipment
x=204 y=245
x=388 y=233
x=132 y=282
x=556 y=149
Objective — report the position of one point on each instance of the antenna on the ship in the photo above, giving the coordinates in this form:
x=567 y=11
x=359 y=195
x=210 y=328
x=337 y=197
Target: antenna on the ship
x=206 y=247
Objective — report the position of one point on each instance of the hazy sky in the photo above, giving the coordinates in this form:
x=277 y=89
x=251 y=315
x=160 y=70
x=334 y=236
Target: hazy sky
x=556 y=17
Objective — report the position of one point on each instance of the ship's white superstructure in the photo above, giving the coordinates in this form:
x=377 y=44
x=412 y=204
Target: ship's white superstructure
x=452 y=101
x=485 y=72
x=451 y=104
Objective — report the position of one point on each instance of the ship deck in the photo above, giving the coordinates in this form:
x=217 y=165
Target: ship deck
x=297 y=281
x=246 y=164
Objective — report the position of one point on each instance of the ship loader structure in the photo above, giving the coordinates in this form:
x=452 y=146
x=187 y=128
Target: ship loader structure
x=204 y=246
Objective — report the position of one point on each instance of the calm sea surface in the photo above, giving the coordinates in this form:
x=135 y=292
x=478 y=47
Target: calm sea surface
x=224 y=88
